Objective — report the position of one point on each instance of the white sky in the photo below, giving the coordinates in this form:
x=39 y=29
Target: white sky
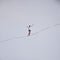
x=15 y=15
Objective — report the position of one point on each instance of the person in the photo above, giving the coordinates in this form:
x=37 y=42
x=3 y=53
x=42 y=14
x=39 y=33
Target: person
x=29 y=30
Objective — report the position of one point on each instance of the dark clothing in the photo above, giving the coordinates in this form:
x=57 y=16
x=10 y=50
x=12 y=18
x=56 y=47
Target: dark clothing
x=29 y=32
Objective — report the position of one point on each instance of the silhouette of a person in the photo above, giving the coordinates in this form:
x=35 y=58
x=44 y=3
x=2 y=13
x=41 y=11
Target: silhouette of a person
x=29 y=31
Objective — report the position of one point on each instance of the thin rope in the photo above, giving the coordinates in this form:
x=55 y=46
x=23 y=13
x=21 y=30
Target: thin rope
x=31 y=34
x=12 y=39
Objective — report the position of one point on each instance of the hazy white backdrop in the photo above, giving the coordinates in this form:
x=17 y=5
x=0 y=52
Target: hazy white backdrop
x=15 y=15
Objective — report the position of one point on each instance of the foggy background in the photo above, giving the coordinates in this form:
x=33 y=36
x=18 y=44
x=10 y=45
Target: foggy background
x=15 y=15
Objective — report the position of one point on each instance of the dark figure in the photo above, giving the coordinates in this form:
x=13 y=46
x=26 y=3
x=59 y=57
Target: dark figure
x=29 y=31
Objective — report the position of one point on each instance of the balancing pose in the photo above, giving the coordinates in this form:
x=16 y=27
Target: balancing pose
x=29 y=30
